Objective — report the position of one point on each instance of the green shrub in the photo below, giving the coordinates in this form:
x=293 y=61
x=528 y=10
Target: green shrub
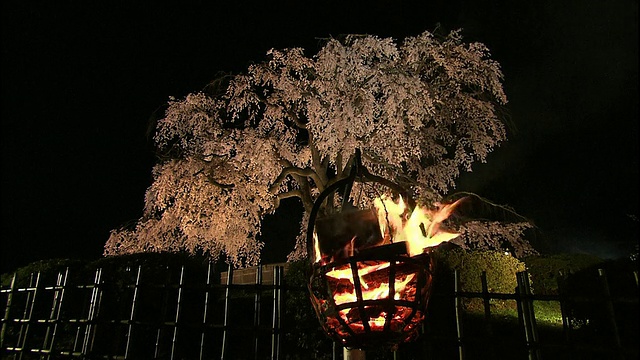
x=500 y=268
x=48 y=269
x=544 y=270
x=304 y=338
x=587 y=305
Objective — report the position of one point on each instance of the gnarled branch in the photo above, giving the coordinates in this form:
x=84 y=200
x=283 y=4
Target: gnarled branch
x=292 y=170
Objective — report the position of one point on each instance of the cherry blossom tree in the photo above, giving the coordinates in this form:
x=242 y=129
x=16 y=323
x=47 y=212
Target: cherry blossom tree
x=420 y=111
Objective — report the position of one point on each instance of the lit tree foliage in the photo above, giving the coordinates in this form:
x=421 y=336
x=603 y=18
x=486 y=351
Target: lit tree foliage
x=420 y=112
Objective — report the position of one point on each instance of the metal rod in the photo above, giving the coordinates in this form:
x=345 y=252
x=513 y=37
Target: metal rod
x=132 y=313
x=358 y=290
x=226 y=312
x=256 y=310
x=205 y=311
x=458 y=307
x=177 y=317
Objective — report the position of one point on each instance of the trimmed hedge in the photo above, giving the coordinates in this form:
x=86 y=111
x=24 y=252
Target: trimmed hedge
x=545 y=269
x=501 y=272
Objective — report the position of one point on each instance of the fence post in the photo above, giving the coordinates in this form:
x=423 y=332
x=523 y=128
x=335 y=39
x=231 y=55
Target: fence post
x=205 y=311
x=275 y=335
x=256 y=310
x=458 y=307
x=7 y=310
x=226 y=312
x=132 y=313
x=93 y=304
x=28 y=312
x=487 y=313
x=611 y=312
x=177 y=316
x=163 y=311
x=566 y=317
x=528 y=315
x=54 y=316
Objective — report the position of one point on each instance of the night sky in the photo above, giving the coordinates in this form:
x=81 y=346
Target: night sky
x=80 y=83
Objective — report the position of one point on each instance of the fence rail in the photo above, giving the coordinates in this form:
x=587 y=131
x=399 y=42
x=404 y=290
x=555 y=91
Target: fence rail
x=202 y=316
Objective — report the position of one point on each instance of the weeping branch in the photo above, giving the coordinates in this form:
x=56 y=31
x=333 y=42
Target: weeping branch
x=506 y=209
x=213 y=181
x=301 y=177
x=292 y=170
x=286 y=195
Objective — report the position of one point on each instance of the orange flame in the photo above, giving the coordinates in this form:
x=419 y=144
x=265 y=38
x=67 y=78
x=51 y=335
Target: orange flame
x=422 y=227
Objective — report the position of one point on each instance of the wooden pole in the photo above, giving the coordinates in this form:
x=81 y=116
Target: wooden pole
x=174 y=339
x=205 y=311
x=353 y=354
x=528 y=315
x=7 y=309
x=132 y=314
x=458 y=307
x=226 y=312
x=487 y=314
x=611 y=312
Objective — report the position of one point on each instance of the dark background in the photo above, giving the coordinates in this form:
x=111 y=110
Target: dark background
x=80 y=81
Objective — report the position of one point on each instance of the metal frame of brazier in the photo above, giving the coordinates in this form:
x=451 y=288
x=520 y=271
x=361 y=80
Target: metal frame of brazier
x=402 y=316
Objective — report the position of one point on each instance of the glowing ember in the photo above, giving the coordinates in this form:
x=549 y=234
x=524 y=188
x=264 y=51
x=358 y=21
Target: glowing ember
x=379 y=292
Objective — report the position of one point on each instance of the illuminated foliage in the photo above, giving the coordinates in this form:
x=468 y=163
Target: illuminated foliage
x=420 y=111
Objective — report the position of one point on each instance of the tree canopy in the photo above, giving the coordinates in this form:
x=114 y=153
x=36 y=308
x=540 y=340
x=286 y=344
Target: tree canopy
x=420 y=111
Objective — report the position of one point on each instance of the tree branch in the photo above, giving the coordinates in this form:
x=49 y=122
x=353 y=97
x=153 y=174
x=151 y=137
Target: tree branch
x=292 y=170
x=319 y=165
x=287 y=195
x=296 y=119
x=214 y=181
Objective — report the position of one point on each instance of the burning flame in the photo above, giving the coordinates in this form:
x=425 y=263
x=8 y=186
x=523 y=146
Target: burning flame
x=422 y=227
x=316 y=248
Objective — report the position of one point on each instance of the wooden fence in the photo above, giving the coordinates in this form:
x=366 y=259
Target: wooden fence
x=212 y=316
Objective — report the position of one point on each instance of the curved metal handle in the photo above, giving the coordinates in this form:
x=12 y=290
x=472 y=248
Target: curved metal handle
x=357 y=171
